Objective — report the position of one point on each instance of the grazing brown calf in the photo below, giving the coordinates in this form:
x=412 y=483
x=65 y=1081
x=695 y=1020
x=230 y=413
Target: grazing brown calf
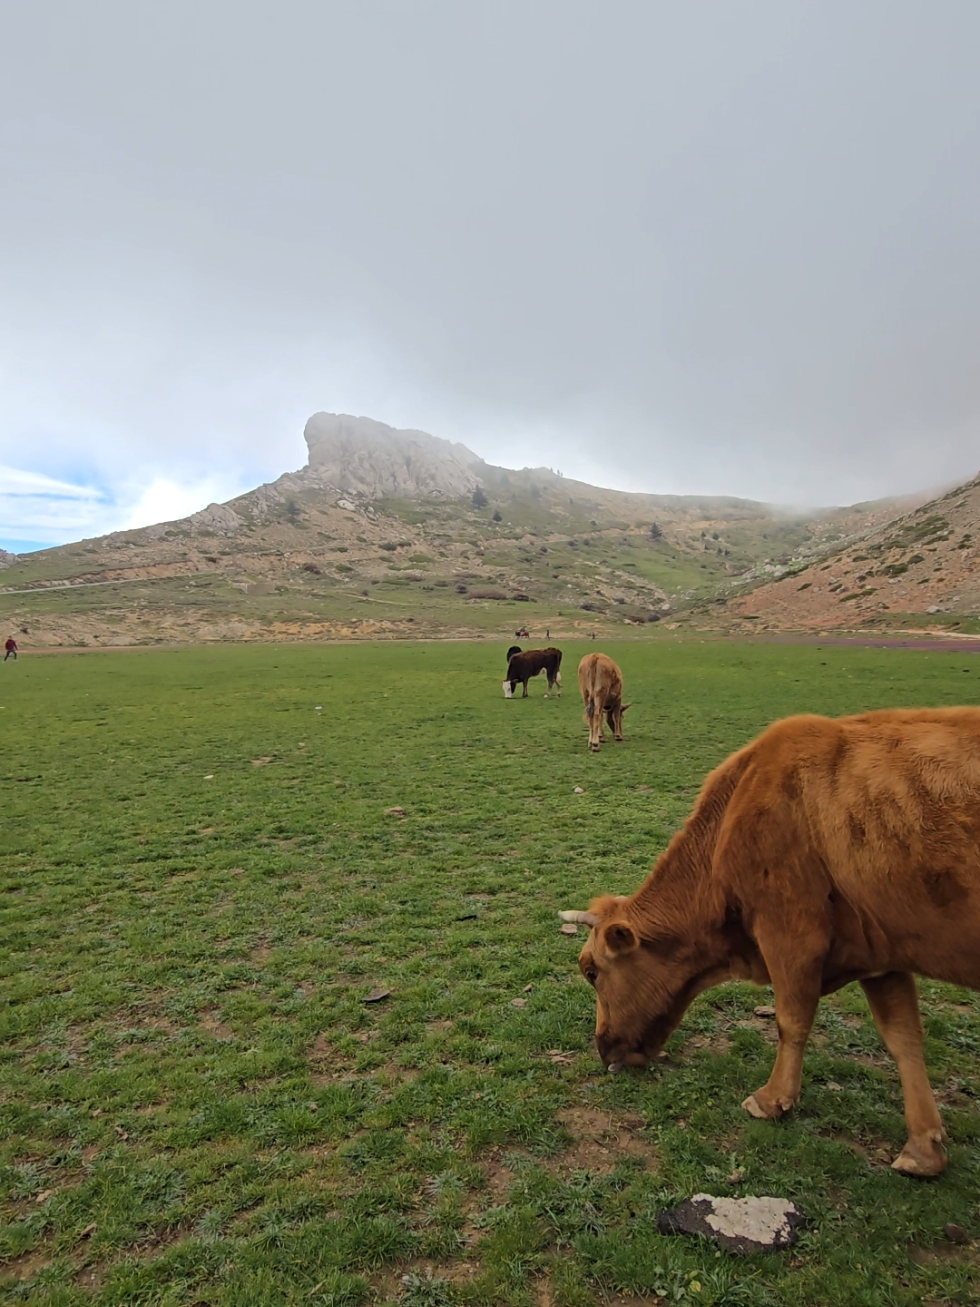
x=522 y=664
x=823 y=852
x=601 y=684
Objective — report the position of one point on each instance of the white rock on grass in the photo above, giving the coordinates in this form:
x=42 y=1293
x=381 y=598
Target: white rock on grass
x=738 y=1225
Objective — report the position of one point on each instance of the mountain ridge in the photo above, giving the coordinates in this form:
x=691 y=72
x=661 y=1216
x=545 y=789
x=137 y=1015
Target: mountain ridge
x=386 y=532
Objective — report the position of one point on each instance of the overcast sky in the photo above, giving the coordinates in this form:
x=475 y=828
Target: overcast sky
x=680 y=247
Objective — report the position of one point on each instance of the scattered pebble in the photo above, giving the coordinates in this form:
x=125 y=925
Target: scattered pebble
x=569 y=928
x=735 y=1177
x=527 y=989
x=578 y=790
x=394 y=812
x=376 y=995
x=89 y=1229
x=764 y=1011
x=209 y=777
x=518 y=1002
x=832 y=1084
x=44 y=1196
x=954 y=1233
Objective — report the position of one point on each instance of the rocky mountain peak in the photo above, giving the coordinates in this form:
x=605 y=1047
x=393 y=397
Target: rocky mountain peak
x=380 y=462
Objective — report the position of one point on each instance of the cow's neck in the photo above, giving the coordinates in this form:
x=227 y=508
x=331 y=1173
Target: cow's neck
x=681 y=896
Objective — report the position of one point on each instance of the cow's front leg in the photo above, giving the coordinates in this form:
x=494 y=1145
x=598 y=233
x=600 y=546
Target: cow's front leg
x=797 y=993
x=894 y=1005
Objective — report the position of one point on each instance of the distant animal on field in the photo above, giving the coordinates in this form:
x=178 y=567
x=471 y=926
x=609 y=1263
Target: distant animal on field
x=522 y=664
x=601 y=684
x=823 y=852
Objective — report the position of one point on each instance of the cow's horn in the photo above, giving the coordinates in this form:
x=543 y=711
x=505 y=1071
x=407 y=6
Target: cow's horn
x=583 y=918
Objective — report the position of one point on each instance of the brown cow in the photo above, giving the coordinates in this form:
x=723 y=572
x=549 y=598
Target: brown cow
x=601 y=684
x=821 y=853
x=522 y=664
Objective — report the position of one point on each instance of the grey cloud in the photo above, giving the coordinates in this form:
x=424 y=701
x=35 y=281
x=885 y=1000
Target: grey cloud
x=670 y=247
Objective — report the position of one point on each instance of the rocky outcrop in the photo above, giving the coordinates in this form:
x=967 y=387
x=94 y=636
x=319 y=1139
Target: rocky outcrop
x=362 y=456
x=7 y=560
x=219 y=518
x=216 y=517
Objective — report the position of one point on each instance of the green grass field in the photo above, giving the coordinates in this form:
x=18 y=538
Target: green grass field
x=201 y=886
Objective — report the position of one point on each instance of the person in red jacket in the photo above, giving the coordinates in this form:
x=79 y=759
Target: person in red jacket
x=11 y=648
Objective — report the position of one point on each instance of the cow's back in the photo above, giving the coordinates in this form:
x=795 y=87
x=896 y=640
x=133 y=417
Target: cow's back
x=597 y=671
x=874 y=819
x=586 y=675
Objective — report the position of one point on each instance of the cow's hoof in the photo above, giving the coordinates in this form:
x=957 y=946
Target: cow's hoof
x=764 y=1108
x=922 y=1158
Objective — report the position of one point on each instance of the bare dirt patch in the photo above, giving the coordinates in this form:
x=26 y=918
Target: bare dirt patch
x=389 y=1285
x=601 y=1142
x=92 y=1275
x=941 y=1251
x=876 y=1152
x=718 y=1043
x=765 y=1027
x=26 y=1266
x=210 y=1023
x=321 y=1058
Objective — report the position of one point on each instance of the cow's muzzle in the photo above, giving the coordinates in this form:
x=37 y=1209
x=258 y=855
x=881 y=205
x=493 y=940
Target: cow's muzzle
x=615 y=1055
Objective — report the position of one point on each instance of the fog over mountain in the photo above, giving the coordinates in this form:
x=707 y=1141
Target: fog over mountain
x=677 y=249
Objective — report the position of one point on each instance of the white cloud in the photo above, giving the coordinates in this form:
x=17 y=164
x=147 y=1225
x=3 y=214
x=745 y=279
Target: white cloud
x=39 y=510
x=15 y=481
x=165 y=501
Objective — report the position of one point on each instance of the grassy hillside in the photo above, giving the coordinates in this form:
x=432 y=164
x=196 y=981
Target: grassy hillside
x=921 y=569
x=201 y=887
x=299 y=559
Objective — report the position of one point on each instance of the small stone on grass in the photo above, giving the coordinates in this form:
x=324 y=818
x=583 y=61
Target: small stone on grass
x=376 y=995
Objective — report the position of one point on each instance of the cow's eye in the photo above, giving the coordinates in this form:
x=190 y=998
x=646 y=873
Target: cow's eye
x=590 y=975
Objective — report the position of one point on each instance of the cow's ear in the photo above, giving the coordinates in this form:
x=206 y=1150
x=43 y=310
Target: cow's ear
x=619 y=937
x=625 y=706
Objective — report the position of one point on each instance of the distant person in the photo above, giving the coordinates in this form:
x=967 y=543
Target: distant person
x=547 y=635
x=11 y=648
